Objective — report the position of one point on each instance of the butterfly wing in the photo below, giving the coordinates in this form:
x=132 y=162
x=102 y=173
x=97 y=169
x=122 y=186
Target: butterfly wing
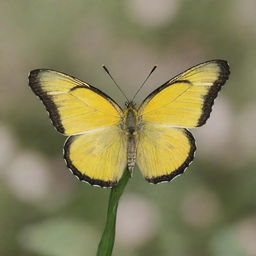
x=97 y=152
x=186 y=100
x=74 y=106
x=165 y=148
x=164 y=152
x=98 y=156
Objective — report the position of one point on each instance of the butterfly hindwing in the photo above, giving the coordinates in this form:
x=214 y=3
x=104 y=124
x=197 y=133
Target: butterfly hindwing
x=98 y=156
x=164 y=152
x=186 y=100
x=74 y=106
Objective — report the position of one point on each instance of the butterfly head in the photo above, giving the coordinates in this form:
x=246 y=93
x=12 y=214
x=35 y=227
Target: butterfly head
x=130 y=105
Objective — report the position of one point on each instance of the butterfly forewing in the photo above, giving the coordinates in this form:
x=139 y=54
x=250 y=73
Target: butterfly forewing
x=73 y=105
x=186 y=100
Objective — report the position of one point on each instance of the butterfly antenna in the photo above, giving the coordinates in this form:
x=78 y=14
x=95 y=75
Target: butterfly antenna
x=114 y=82
x=153 y=69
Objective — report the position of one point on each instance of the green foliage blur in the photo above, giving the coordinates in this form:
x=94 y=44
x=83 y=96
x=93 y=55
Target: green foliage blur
x=209 y=210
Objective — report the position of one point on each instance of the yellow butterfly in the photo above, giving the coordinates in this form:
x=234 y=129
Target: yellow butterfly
x=104 y=138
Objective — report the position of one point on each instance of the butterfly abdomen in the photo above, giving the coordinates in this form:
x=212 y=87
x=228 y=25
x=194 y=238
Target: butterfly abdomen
x=131 y=152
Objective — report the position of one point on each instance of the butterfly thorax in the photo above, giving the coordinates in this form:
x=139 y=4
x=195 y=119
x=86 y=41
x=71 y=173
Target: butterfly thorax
x=131 y=131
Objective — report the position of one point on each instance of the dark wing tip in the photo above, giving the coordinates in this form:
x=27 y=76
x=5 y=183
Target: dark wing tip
x=49 y=104
x=32 y=77
x=182 y=168
x=81 y=176
x=213 y=92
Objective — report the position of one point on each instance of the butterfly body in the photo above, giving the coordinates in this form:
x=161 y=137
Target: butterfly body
x=131 y=132
x=104 y=138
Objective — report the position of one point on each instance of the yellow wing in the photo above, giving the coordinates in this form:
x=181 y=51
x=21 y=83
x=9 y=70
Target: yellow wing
x=186 y=100
x=164 y=152
x=74 y=106
x=97 y=152
x=165 y=149
x=97 y=156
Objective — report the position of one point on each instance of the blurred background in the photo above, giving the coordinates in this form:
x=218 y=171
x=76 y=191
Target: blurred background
x=45 y=210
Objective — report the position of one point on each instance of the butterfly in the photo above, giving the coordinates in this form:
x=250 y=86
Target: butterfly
x=104 y=138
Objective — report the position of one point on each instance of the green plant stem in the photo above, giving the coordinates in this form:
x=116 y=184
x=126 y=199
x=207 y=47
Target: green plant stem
x=108 y=237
